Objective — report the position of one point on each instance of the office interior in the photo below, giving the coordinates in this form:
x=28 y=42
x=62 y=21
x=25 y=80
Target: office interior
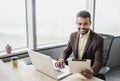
x=45 y=26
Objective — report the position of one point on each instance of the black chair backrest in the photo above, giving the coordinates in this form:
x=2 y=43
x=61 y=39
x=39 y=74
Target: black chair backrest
x=108 y=39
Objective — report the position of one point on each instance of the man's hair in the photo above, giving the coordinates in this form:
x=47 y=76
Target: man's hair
x=84 y=14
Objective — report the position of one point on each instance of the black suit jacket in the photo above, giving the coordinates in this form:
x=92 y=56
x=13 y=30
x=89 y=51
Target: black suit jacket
x=93 y=49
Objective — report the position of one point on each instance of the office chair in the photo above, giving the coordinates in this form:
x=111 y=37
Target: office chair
x=108 y=39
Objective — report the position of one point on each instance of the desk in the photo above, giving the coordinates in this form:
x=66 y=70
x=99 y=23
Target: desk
x=6 y=74
x=28 y=73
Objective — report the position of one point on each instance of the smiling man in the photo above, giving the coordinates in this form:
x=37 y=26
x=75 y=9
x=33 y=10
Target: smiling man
x=85 y=44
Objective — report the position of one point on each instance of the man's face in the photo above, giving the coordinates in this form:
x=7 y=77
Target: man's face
x=83 y=25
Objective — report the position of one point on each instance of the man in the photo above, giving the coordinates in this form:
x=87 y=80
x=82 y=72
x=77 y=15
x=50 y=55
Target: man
x=85 y=44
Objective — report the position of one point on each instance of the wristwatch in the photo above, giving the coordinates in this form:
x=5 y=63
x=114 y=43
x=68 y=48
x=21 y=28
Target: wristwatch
x=60 y=59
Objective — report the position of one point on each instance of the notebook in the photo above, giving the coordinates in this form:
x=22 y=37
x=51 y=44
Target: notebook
x=45 y=64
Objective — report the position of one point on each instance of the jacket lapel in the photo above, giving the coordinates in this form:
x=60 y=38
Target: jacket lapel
x=76 y=45
x=88 y=42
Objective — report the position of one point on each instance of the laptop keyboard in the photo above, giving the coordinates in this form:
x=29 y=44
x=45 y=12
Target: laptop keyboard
x=58 y=72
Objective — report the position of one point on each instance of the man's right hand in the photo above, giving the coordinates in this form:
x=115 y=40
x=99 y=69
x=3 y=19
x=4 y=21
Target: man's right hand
x=60 y=63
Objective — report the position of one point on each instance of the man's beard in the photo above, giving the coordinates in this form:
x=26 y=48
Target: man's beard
x=83 y=31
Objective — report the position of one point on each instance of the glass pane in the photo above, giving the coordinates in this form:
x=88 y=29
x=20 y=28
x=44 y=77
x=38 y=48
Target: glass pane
x=107 y=16
x=12 y=24
x=56 y=19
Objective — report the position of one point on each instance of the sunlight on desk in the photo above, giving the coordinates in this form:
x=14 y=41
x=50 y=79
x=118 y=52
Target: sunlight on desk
x=6 y=74
x=28 y=73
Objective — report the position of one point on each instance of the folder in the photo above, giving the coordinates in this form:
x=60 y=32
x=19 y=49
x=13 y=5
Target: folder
x=76 y=66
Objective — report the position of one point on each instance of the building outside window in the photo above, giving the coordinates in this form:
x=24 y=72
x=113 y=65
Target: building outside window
x=56 y=19
x=107 y=17
x=12 y=24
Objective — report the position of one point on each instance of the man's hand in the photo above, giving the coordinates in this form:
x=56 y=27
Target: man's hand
x=60 y=63
x=88 y=73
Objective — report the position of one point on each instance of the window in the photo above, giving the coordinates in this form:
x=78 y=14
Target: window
x=107 y=17
x=56 y=19
x=12 y=24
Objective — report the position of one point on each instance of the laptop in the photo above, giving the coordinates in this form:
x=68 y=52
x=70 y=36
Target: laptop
x=45 y=64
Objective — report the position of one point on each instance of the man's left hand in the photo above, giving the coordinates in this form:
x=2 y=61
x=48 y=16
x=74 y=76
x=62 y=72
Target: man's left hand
x=88 y=73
